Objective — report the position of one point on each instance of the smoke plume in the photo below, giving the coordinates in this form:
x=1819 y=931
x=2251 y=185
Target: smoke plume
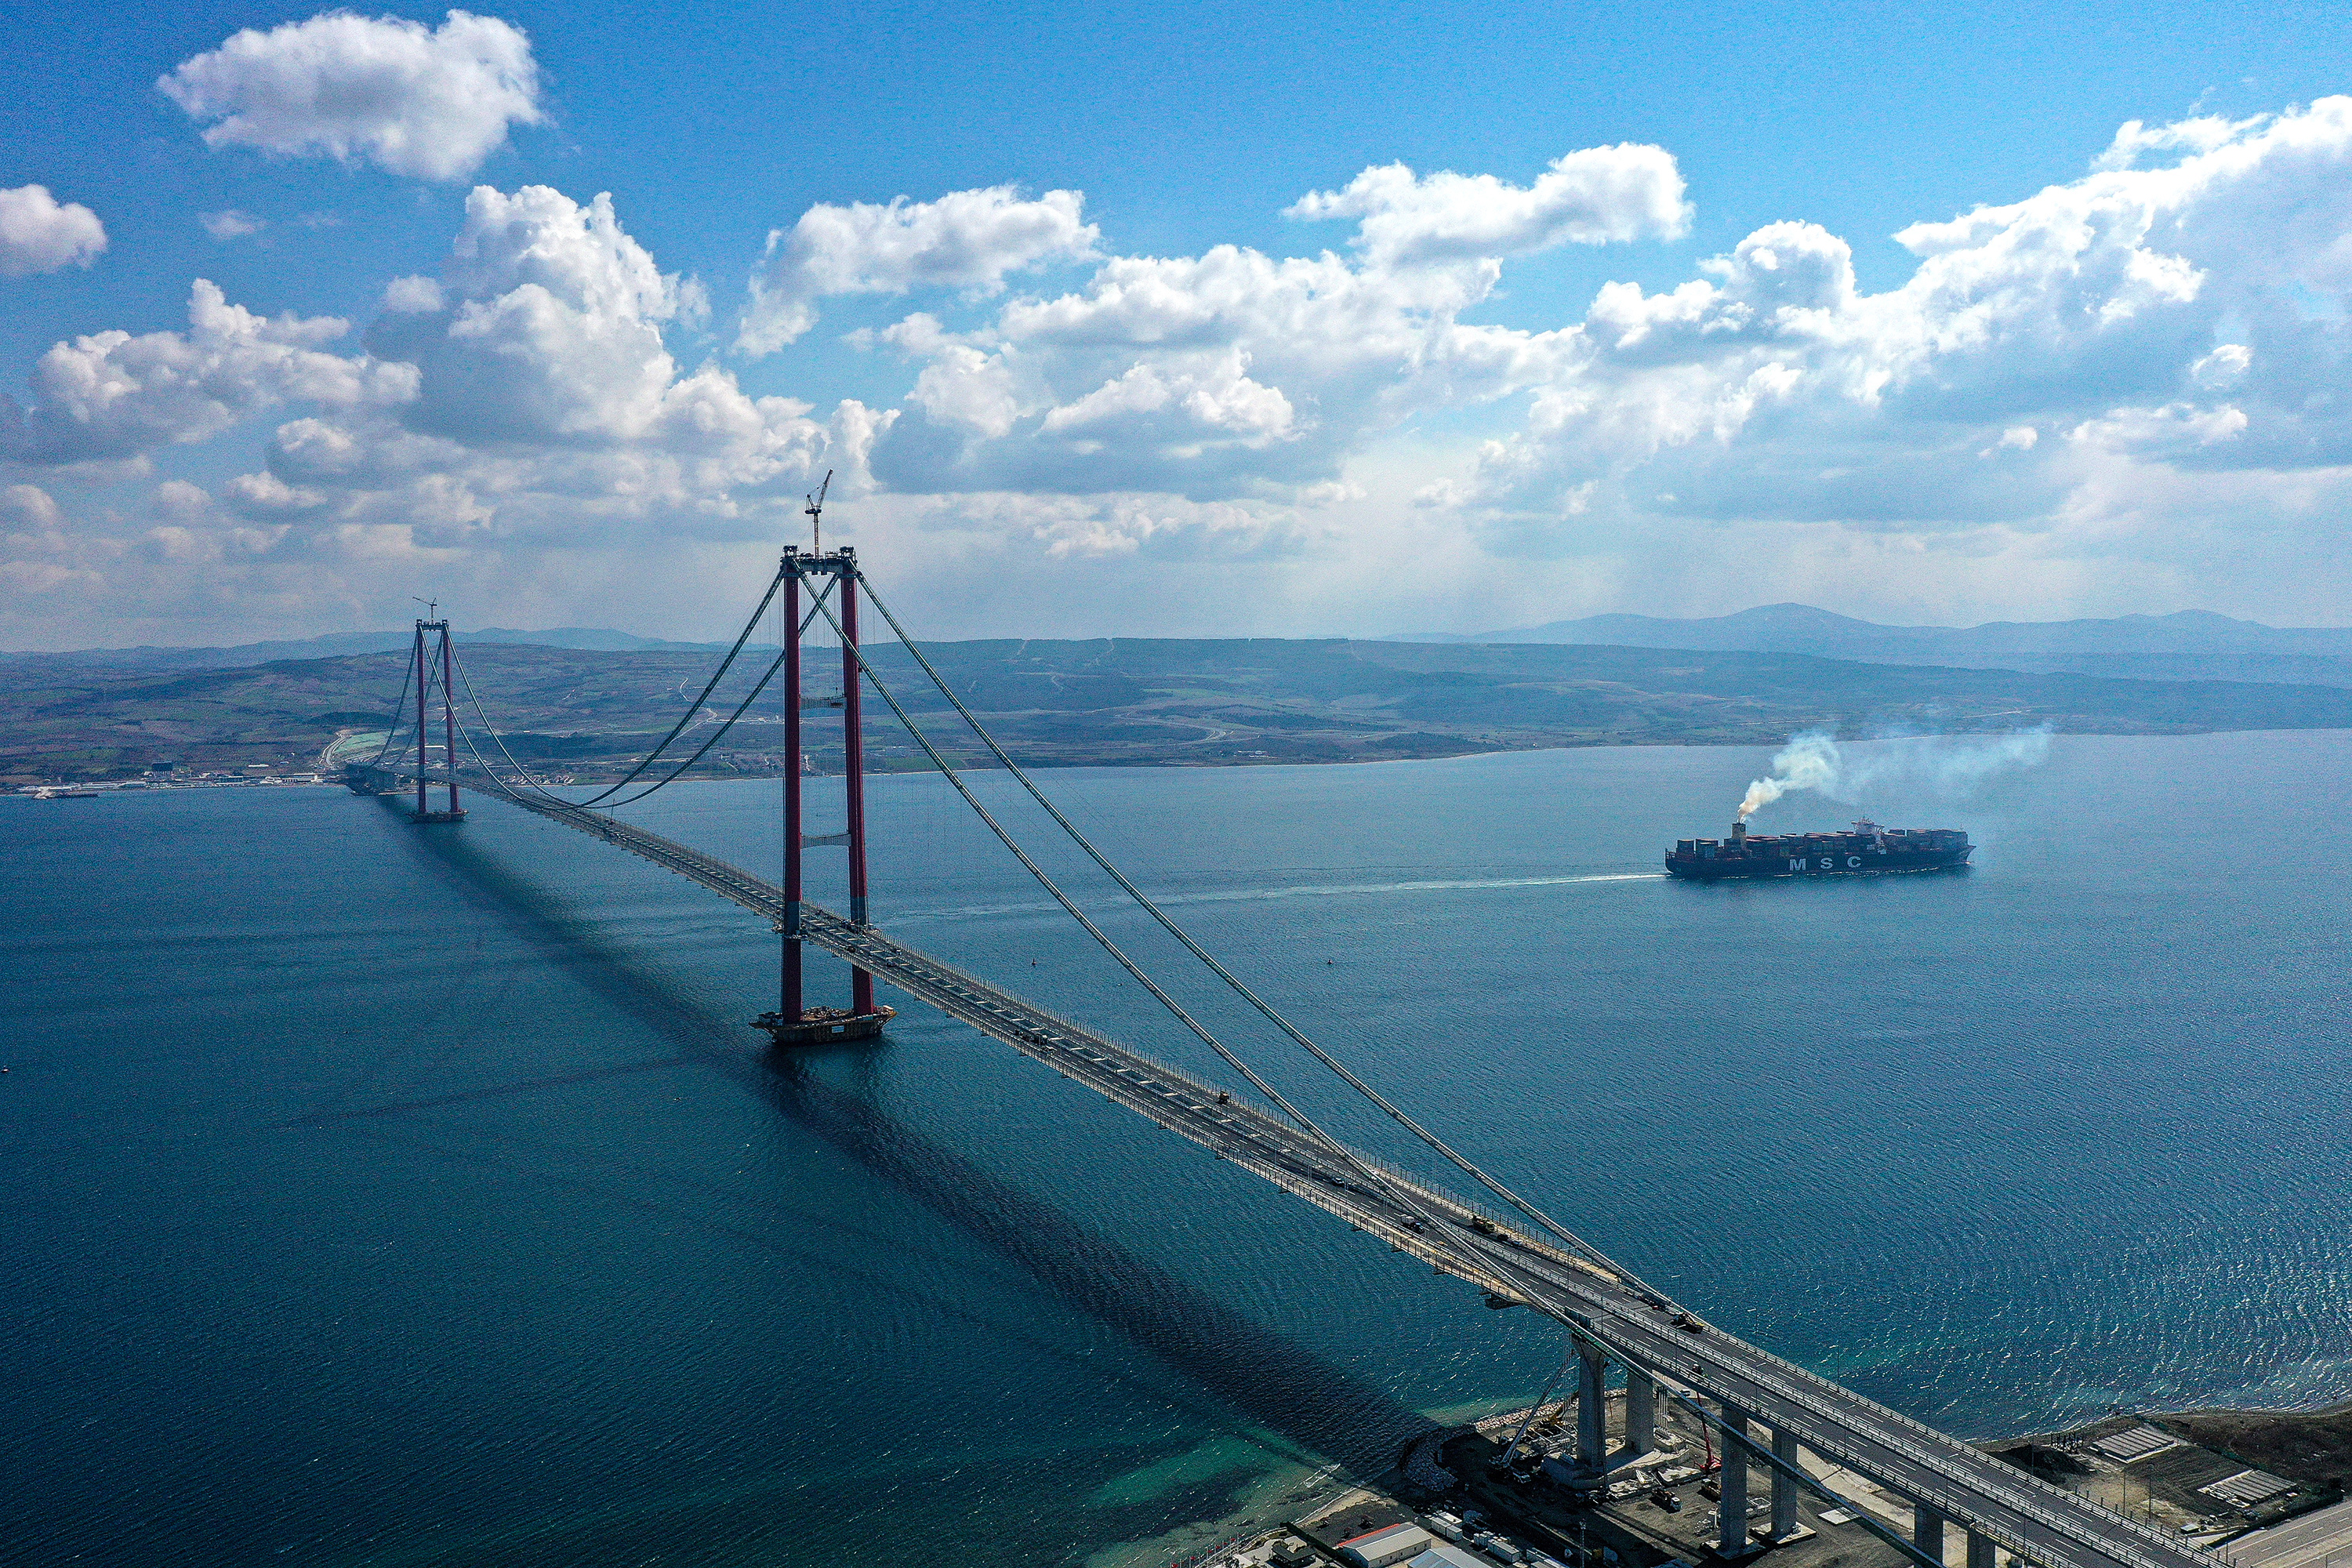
x=1943 y=767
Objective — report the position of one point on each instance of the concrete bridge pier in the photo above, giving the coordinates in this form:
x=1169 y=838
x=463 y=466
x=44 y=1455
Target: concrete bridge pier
x=1591 y=1409
x=1641 y=1412
x=1784 y=1487
x=1732 y=1508
x=1927 y=1531
x=1980 y=1551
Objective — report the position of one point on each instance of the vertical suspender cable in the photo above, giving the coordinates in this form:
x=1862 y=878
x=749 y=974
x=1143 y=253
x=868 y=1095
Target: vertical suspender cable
x=1404 y=1196
x=715 y=736
x=1174 y=1007
x=1264 y=1009
x=391 y=728
x=696 y=706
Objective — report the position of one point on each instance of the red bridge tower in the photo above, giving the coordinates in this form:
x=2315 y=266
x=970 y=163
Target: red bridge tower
x=794 y=1023
x=423 y=674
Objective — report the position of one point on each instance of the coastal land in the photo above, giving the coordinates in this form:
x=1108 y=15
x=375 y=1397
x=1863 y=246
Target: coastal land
x=2258 y=1489
x=583 y=713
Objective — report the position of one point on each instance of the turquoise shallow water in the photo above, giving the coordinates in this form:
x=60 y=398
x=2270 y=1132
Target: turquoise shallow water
x=388 y=1196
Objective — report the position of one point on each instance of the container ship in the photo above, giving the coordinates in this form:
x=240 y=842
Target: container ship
x=1868 y=850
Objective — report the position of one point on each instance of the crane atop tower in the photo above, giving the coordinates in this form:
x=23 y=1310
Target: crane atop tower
x=815 y=511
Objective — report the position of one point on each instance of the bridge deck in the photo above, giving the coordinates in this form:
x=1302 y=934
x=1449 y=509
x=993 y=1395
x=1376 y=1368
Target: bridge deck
x=2021 y=1512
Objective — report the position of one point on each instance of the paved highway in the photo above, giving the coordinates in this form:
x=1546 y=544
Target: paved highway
x=2316 y=1538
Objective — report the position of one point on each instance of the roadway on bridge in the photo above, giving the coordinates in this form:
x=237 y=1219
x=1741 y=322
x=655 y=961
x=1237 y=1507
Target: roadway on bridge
x=2314 y=1540
x=2024 y=1514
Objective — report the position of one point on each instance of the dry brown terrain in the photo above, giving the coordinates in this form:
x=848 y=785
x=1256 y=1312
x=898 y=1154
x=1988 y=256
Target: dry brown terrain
x=2302 y=1446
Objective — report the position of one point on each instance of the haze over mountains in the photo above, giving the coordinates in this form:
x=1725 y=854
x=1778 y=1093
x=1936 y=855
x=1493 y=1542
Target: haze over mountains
x=2189 y=645
x=342 y=645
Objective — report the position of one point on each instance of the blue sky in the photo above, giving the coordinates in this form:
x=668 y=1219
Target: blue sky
x=1038 y=431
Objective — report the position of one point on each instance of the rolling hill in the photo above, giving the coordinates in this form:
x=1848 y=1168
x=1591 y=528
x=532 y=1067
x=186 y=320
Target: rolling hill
x=1159 y=702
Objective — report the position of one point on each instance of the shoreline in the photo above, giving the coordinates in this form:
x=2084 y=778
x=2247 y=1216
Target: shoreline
x=25 y=785
x=2326 y=1431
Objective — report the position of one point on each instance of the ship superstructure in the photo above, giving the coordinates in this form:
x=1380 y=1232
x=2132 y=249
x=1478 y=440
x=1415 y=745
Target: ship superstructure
x=1868 y=850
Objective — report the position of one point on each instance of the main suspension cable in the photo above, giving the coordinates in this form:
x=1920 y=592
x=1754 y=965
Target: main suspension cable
x=1427 y=1217
x=740 y=708
x=1434 y=1223
x=399 y=708
x=466 y=679
x=696 y=706
x=1537 y=1408
x=1409 y=1200
x=1264 y=1009
x=1063 y=898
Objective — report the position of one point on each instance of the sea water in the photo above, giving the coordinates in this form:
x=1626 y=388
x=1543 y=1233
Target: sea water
x=382 y=1194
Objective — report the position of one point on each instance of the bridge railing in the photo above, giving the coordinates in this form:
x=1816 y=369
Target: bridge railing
x=1926 y=1457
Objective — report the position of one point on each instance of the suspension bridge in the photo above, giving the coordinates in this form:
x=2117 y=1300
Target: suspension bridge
x=1770 y=1413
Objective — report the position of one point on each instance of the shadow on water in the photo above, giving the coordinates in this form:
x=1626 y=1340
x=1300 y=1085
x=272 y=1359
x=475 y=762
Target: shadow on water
x=1266 y=1376
x=1269 y=1379
x=498 y=1092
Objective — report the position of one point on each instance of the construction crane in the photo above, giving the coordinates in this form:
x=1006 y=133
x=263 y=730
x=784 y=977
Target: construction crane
x=815 y=509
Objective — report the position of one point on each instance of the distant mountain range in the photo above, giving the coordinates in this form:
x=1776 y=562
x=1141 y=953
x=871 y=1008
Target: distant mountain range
x=2191 y=644
x=339 y=645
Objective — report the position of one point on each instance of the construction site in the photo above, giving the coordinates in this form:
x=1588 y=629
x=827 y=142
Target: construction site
x=1508 y=1490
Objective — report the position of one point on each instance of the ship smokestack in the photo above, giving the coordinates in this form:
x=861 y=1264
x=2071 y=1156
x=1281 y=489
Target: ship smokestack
x=1738 y=829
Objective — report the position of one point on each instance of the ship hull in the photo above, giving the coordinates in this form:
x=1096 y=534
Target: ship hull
x=1863 y=863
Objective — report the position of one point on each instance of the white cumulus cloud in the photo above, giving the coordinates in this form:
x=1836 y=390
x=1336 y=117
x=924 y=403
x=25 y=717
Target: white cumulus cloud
x=1592 y=196
x=550 y=329
x=430 y=102
x=113 y=395
x=27 y=508
x=965 y=240
x=1148 y=404
x=2116 y=393
x=40 y=234
x=1228 y=374
x=411 y=296
x=547 y=402
x=1769 y=387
